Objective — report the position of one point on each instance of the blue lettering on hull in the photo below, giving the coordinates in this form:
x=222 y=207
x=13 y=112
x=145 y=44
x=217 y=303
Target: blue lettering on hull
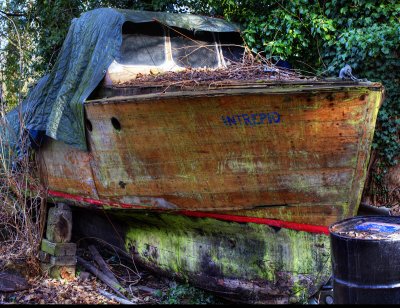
x=252 y=119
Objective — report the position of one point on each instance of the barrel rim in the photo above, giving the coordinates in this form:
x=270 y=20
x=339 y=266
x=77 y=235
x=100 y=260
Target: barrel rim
x=333 y=233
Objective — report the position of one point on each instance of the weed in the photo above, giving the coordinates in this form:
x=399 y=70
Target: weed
x=185 y=294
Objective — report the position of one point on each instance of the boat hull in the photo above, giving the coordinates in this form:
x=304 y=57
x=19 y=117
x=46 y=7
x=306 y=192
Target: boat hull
x=295 y=153
x=250 y=263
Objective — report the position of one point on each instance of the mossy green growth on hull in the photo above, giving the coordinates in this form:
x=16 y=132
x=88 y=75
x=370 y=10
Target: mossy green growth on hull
x=251 y=262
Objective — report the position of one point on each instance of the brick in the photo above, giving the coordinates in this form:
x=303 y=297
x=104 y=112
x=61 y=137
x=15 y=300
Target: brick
x=58 y=249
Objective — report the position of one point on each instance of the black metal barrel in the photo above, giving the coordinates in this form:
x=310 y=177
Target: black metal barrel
x=365 y=254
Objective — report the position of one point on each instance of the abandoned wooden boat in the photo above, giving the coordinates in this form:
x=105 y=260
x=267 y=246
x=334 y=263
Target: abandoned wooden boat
x=297 y=160
x=230 y=185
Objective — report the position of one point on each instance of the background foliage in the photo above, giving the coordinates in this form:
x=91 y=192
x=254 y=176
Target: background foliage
x=316 y=36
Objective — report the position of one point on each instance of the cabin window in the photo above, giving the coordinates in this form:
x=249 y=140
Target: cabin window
x=142 y=44
x=193 y=49
x=232 y=47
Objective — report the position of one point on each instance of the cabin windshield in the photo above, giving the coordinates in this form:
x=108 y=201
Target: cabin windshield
x=142 y=44
x=152 y=44
x=232 y=47
x=194 y=50
x=153 y=48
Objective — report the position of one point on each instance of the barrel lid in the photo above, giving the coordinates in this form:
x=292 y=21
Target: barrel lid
x=368 y=228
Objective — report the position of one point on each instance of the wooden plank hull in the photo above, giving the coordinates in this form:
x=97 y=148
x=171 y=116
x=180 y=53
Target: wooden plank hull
x=292 y=153
x=253 y=177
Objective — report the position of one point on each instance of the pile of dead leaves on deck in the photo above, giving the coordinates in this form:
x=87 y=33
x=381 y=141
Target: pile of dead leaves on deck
x=253 y=68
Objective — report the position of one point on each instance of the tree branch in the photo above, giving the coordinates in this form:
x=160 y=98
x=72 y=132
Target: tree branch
x=9 y=14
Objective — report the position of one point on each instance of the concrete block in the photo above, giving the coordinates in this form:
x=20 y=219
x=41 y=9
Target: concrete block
x=67 y=272
x=55 y=211
x=59 y=224
x=63 y=206
x=63 y=260
x=58 y=249
x=63 y=272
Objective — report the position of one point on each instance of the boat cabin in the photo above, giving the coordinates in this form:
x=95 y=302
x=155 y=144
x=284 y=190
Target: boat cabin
x=153 y=48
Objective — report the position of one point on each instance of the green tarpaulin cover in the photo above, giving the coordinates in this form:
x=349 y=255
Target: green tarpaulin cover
x=55 y=104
